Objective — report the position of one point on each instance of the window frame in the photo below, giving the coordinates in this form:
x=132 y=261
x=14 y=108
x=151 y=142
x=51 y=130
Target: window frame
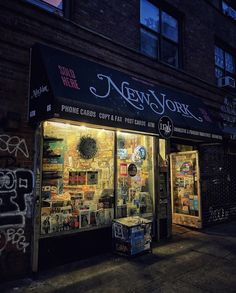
x=223 y=69
x=161 y=37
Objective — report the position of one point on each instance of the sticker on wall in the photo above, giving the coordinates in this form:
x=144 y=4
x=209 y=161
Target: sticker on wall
x=132 y=170
x=87 y=147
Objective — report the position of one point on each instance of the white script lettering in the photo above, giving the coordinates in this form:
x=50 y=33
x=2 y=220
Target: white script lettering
x=137 y=99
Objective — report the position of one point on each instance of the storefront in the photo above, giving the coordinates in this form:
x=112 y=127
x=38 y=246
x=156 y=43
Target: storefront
x=81 y=169
x=101 y=139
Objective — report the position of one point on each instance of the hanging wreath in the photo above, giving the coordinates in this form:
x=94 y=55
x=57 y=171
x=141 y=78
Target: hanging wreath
x=87 y=147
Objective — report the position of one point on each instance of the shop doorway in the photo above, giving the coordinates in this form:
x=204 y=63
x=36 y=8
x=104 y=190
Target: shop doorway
x=185 y=189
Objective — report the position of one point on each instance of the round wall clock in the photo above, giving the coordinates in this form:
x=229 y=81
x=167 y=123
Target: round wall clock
x=87 y=147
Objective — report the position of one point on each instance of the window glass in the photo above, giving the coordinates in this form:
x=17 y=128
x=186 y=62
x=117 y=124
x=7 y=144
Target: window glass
x=225 y=7
x=228 y=10
x=169 y=53
x=169 y=27
x=229 y=63
x=224 y=63
x=56 y=3
x=219 y=57
x=149 y=15
x=149 y=45
x=77 y=178
x=134 y=175
x=55 y=6
x=218 y=72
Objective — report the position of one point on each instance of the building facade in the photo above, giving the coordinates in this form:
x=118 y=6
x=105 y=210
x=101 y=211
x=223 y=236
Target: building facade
x=112 y=109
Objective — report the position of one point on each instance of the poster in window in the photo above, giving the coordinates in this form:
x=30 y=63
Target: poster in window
x=92 y=178
x=81 y=178
x=89 y=195
x=132 y=194
x=93 y=218
x=123 y=169
x=185 y=204
x=84 y=218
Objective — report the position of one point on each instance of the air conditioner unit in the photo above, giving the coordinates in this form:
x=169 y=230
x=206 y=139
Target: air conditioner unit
x=226 y=81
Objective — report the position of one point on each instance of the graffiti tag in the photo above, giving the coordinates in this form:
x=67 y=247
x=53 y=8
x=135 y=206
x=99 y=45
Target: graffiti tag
x=218 y=214
x=16 y=189
x=15 y=237
x=13 y=145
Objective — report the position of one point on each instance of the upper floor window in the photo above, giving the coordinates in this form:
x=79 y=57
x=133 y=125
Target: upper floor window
x=55 y=6
x=159 y=34
x=225 y=73
x=228 y=10
x=224 y=63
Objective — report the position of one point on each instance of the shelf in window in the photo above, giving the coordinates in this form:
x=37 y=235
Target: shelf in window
x=51 y=175
x=74 y=231
x=52 y=139
x=76 y=186
x=51 y=156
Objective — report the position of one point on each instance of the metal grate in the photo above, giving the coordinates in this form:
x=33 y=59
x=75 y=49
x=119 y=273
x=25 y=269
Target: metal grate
x=218 y=184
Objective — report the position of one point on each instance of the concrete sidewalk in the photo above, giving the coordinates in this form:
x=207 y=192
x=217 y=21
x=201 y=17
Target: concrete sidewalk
x=192 y=261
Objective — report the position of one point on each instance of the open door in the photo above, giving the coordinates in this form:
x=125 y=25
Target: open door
x=185 y=189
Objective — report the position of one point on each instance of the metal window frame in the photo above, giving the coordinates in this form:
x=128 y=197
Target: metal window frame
x=161 y=37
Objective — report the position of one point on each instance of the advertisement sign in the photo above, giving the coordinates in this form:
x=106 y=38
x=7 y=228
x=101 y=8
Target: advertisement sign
x=69 y=87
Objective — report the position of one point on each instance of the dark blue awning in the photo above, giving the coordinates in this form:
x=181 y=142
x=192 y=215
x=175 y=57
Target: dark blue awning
x=66 y=86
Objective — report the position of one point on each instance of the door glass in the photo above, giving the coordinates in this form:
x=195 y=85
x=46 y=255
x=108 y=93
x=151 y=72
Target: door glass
x=134 y=175
x=184 y=176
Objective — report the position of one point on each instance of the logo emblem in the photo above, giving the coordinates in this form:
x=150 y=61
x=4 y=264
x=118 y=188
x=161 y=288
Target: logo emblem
x=165 y=127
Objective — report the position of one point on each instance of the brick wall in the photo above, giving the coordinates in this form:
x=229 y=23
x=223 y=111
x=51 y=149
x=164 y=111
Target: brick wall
x=22 y=24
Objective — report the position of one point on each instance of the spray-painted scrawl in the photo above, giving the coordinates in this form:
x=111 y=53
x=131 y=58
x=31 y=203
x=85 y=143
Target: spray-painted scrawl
x=15 y=237
x=13 y=145
x=16 y=188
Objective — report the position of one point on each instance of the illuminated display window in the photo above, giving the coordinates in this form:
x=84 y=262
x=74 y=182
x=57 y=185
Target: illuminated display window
x=134 y=175
x=81 y=173
x=77 y=178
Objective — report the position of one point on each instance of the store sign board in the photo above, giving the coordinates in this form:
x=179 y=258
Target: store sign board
x=70 y=87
